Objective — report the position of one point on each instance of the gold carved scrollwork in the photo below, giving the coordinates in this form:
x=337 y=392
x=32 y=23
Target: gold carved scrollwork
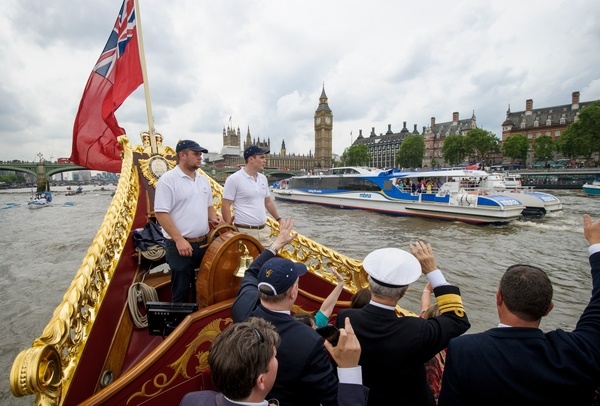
x=162 y=381
x=318 y=259
x=65 y=334
x=46 y=379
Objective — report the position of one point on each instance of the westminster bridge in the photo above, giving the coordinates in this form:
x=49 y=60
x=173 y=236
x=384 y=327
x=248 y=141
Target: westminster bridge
x=42 y=170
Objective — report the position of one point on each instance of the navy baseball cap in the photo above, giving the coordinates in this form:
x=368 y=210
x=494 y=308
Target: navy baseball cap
x=189 y=144
x=253 y=150
x=277 y=275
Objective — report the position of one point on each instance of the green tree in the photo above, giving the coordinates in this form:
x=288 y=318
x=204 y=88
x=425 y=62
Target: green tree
x=516 y=147
x=410 y=154
x=573 y=142
x=543 y=148
x=10 y=178
x=356 y=155
x=583 y=136
x=480 y=143
x=455 y=149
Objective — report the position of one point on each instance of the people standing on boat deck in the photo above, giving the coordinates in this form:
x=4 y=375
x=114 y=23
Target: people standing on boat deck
x=243 y=366
x=395 y=349
x=184 y=208
x=268 y=290
x=247 y=190
x=516 y=362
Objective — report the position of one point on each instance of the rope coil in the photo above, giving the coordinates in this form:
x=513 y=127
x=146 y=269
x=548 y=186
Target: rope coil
x=153 y=253
x=138 y=293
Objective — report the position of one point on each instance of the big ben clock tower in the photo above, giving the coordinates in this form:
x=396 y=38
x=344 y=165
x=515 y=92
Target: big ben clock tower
x=323 y=133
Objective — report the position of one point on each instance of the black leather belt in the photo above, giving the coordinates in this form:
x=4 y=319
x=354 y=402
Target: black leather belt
x=199 y=239
x=250 y=227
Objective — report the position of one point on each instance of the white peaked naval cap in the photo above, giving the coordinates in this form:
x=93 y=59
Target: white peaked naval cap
x=392 y=267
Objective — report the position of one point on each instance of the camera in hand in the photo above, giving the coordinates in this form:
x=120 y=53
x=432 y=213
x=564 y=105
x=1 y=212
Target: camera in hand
x=330 y=333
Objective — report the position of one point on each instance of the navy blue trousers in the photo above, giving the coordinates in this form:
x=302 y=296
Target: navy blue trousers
x=183 y=271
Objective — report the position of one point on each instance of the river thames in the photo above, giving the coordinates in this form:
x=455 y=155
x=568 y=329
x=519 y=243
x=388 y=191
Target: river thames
x=42 y=249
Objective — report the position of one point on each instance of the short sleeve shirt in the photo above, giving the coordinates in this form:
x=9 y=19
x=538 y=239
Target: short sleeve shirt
x=248 y=196
x=186 y=200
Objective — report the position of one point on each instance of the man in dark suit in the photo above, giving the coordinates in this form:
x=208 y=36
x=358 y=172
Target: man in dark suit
x=243 y=366
x=517 y=363
x=269 y=289
x=394 y=348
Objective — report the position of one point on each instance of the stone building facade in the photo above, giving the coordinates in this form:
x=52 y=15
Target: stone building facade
x=534 y=123
x=384 y=147
x=436 y=133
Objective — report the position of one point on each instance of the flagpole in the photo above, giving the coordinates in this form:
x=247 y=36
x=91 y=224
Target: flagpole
x=138 y=22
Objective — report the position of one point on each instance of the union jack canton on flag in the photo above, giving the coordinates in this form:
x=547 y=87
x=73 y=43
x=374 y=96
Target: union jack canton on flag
x=115 y=76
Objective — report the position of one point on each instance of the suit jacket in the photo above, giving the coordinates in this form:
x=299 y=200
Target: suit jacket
x=348 y=395
x=205 y=398
x=518 y=365
x=247 y=298
x=394 y=349
x=305 y=375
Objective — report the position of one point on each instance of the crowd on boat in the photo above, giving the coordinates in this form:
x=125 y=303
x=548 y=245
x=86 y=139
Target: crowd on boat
x=370 y=355
x=383 y=357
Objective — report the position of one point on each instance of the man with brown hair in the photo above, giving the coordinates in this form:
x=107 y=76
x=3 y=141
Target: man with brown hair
x=243 y=366
x=516 y=362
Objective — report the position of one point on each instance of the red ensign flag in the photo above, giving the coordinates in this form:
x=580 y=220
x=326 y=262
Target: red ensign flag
x=116 y=75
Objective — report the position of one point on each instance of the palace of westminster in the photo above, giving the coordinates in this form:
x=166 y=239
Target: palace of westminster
x=551 y=121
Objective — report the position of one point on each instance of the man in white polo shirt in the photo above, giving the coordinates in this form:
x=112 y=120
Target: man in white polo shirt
x=247 y=191
x=184 y=207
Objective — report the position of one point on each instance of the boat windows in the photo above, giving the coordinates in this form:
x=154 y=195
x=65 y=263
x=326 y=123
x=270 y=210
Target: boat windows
x=334 y=183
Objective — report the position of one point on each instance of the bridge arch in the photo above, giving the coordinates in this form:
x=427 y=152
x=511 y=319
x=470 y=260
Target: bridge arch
x=41 y=170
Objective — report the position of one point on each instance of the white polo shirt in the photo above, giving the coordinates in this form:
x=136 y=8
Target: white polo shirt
x=186 y=200
x=248 y=197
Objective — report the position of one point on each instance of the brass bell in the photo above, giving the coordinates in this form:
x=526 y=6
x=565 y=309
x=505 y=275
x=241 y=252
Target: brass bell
x=245 y=260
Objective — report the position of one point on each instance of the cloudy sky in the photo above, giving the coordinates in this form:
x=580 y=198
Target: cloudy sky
x=263 y=63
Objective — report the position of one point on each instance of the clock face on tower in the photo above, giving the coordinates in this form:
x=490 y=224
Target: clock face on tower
x=318 y=120
x=328 y=120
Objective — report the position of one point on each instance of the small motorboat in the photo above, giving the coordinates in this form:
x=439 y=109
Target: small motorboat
x=40 y=200
x=592 y=189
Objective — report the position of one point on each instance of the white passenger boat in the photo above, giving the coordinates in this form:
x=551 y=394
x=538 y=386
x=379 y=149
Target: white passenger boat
x=537 y=204
x=513 y=180
x=445 y=194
